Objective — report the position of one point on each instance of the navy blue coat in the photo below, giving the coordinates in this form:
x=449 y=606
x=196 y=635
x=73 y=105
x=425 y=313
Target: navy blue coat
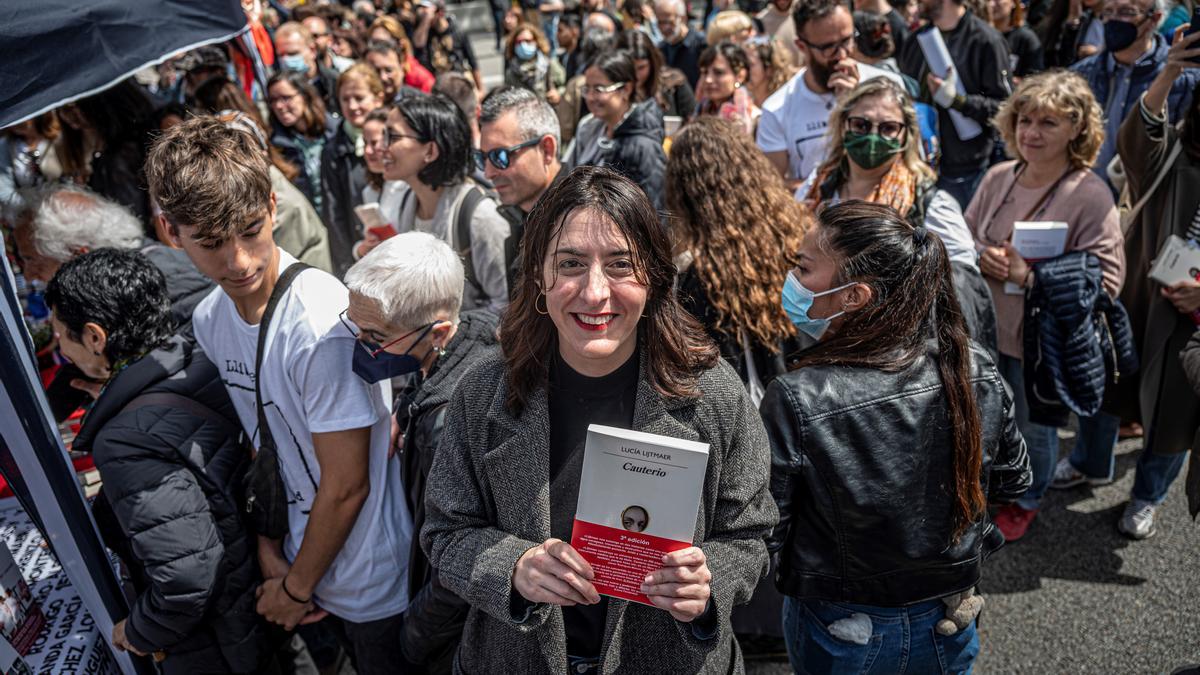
x=1077 y=339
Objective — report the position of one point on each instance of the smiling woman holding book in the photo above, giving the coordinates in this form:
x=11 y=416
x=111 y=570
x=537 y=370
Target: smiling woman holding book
x=1052 y=127
x=594 y=336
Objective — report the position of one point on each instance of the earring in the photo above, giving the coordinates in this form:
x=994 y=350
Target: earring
x=541 y=296
x=440 y=350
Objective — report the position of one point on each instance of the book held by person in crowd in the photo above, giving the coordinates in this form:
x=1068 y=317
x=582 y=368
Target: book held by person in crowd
x=1037 y=241
x=1179 y=260
x=639 y=495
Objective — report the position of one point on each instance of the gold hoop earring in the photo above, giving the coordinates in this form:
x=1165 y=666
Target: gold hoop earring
x=541 y=296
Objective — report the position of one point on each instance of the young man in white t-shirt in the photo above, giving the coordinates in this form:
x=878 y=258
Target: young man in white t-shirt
x=793 y=128
x=349 y=530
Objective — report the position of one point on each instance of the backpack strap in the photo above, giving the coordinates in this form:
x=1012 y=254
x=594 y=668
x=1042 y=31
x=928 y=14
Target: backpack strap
x=281 y=286
x=462 y=235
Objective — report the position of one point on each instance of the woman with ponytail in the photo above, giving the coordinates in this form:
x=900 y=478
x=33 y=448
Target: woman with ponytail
x=888 y=441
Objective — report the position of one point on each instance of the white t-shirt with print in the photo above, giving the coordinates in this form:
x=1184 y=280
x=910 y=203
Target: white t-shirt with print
x=796 y=118
x=308 y=387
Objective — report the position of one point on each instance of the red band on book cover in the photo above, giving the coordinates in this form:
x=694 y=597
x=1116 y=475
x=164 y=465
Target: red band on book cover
x=620 y=558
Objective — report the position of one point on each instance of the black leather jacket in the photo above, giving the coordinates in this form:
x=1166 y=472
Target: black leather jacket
x=861 y=471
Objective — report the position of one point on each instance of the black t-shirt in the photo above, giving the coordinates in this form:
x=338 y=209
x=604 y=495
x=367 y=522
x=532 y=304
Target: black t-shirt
x=575 y=402
x=686 y=55
x=1026 y=51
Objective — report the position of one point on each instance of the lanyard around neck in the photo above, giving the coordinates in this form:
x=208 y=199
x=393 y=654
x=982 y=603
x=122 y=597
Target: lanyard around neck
x=1038 y=209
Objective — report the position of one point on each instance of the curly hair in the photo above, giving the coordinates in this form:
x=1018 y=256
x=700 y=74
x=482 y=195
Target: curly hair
x=510 y=45
x=1062 y=93
x=739 y=222
x=777 y=62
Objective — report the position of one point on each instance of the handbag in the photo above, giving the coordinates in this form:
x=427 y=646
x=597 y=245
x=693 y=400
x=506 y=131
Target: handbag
x=266 y=496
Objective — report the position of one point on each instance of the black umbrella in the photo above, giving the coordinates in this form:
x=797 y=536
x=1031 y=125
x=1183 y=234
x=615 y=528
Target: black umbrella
x=53 y=52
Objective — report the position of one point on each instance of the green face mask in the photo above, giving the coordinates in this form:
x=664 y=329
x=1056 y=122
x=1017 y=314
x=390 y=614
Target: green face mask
x=870 y=150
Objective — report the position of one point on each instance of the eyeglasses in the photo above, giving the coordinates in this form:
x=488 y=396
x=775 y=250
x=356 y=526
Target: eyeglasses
x=588 y=89
x=276 y=100
x=864 y=126
x=390 y=136
x=830 y=47
x=502 y=158
x=1124 y=14
x=373 y=348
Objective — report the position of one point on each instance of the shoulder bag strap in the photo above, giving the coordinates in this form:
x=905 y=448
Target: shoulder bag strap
x=1132 y=213
x=281 y=286
x=462 y=235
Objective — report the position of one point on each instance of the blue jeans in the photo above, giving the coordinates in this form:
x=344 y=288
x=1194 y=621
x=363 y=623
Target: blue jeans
x=962 y=188
x=1155 y=473
x=1093 y=454
x=903 y=640
x=1041 y=441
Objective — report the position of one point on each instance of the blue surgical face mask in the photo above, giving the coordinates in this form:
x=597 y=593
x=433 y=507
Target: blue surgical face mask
x=385 y=365
x=525 y=51
x=797 y=300
x=294 y=62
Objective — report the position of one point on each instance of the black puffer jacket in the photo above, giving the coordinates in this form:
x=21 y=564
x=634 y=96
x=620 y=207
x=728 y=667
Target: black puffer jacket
x=635 y=149
x=1077 y=340
x=343 y=177
x=861 y=471
x=168 y=473
x=435 y=616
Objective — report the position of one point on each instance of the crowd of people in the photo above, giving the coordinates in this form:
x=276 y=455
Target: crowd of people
x=339 y=332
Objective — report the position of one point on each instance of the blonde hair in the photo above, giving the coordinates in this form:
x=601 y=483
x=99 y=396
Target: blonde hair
x=910 y=154
x=364 y=74
x=1062 y=93
x=727 y=25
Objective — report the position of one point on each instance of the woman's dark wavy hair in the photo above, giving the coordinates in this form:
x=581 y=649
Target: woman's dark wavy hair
x=641 y=48
x=913 y=299
x=734 y=55
x=617 y=65
x=436 y=119
x=675 y=349
x=120 y=291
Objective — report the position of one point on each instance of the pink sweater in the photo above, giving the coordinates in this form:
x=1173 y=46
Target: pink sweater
x=1082 y=200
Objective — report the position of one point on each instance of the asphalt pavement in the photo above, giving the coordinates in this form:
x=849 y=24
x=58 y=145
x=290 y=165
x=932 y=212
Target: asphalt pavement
x=1073 y=596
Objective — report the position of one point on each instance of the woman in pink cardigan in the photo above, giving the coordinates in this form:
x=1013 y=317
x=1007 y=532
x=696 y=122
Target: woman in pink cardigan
x=1052 y=125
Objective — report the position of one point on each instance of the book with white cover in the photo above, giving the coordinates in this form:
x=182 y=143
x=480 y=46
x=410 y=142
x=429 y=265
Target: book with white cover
x=933 y=47
x=639 y=495
x=1179 y=260
x=1037 y=241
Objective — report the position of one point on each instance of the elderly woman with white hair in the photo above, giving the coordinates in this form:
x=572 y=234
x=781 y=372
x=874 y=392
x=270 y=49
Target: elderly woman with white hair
x=405 y=297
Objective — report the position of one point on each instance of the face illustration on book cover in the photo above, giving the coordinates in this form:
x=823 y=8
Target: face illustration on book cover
x=20 y=618
x=634 y=518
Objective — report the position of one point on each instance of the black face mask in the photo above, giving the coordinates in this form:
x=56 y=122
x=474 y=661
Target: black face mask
x=1119 y=34
x=384 y=366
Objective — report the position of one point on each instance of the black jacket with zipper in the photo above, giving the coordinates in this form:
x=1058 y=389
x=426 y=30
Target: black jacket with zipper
x=862 y=474
x=170 y=476
x=343 y=177
x=434 y=620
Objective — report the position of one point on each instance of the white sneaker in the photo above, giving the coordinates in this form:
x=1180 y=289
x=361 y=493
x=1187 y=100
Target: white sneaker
x=1067 y=476
x=1138 y=520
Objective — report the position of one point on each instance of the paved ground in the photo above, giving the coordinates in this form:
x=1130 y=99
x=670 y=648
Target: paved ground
x=1074 y=596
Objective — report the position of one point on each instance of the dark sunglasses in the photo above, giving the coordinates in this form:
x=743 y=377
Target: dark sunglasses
x=864 y=126
x=502 y=158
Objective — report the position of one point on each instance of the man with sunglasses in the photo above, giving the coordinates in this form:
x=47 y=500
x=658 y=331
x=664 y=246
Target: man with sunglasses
x=1135 y=54
x=792 y=130
x=979 y=84
x=518 y=153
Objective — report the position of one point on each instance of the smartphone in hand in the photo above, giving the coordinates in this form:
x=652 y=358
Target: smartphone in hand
x=372 y=219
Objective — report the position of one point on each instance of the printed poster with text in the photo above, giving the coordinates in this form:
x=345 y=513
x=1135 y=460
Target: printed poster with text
x=639 y=494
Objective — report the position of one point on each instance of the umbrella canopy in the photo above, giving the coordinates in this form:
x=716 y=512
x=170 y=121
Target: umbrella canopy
x=57 y=51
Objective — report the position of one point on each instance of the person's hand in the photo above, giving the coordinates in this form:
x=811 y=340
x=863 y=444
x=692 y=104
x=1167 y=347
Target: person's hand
x=1183 y=50
x=648 y=13
x=121 y=642
x=1018 y=269
x=554 y=572
x=426 y=14
x=553 y=97
x=276 y=606
x=994 y=263
x=271 y=562
x=844 y=77
x=87 y=386
x=368 y=244
x=943 y=90
x=1185 y=295
x=682 y=586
